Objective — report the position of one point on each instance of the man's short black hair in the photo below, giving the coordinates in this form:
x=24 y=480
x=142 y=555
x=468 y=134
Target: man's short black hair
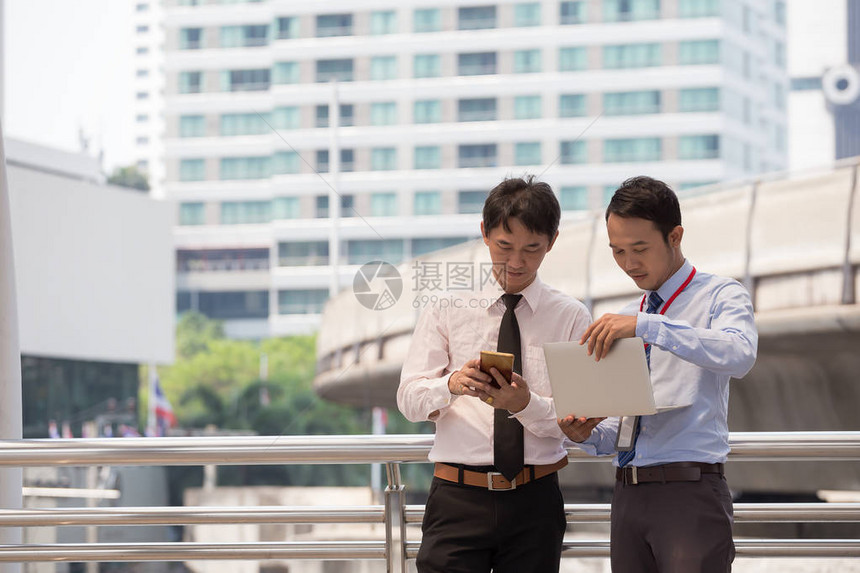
x=647 y=198
x=530 y=201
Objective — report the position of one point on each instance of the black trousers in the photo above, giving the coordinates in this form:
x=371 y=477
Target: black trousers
x=472 y=530
x=675 y=527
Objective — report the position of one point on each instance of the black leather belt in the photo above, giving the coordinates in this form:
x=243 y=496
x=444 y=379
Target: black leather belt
x=678 y=471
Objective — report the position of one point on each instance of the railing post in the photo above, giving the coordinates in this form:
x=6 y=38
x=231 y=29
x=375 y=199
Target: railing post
x=395 y=521
x=849 y=296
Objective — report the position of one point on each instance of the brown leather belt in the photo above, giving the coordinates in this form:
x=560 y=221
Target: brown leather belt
x=678 y=471
x=495 y=481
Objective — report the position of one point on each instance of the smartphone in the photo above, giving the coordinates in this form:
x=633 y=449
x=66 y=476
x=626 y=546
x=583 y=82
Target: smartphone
x=502 y=361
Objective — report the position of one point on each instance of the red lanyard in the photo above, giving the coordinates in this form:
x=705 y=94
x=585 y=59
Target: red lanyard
x=671 y=298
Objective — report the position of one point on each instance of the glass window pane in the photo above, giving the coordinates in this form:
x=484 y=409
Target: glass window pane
x=427 y=66
x=527 y=107
x=427 y=111
x=384 y=22
x=192 y=169
x=287 y=28
x=286 y=162
x=427 y=203
x=632 y=56
x=329 y=25
x=192 y=214
x=245 y=212
x=480 y=155
x=190 y=82
x=427 y=20
x=471 y=201
x=190 y=38
x=286 y=118
x=527 y=14
x=286 y=73
x=573 y=198
x=304 y=301
x=527 y=61
x=383 y=204
x=574 y=152
x=631 y=103
x=572 y=105
x=364 y=251
x=699 y=52
x=245 y=124
x=572 y=12
x=383 y=159
x=245 y=168
x=340 y=70
x=192 y=126
x=527 y=153
x=699 y=147
x=572 y=59
x=286 y=208
x=477 y=64
x=428 y=157
x=632 y=150
x=383 y=113
x=699 y=99
x=630 y=10
x=476 y=18
x=698 y=8
x=480 y=109
x=383 y=68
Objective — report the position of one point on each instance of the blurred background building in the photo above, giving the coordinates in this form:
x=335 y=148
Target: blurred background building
x=437 y=102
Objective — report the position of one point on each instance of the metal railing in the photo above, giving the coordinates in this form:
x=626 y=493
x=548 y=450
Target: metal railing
x=394 y=514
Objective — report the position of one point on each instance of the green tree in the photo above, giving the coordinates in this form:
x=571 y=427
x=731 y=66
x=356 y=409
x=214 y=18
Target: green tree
x=129 y=177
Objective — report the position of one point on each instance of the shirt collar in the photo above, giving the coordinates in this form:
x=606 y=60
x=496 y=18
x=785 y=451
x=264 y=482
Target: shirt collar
x=674 y=282
x=531 y=294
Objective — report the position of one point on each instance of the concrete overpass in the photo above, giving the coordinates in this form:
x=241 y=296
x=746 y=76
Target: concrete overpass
x=793 y=240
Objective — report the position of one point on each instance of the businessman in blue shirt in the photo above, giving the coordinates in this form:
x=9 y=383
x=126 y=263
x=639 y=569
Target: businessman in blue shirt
x=671 y=508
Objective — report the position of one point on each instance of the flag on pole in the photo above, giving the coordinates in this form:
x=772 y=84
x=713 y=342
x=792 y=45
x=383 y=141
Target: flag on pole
x=164 y=417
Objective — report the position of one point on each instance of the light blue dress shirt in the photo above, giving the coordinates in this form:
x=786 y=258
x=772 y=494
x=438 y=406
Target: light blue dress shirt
x=706 y=336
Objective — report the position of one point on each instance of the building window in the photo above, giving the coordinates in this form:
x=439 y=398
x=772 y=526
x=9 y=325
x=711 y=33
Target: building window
x=322 y=162
x=322 y=206
x=304 y=301
x=698 y=8
x=347 y=115
x=192 y=126
x=142 y=140
x=246 y=212
x=286 y=162
x=608 y=193
x=303 y=254
x=250 y=36
x=476 y=18
x=427 y=20
x=245 y=80
x=479 y=109
x=574 y=152
x=699 y=52
x=286 y=208
x=427 y=111
x=573 y=198
x=287 y=28
x=572 y=13
x=527 y=61
x=527 y=153
x=235 y=305
x=527 y=14
x=427 y=203
x=470 y=201
x=383 y=68
x=141 y=118
x=699 y=99
x=192 y=213
x=340 y=70
x=245 y=168
x=631 y=103
x=347 y=161
x=383 y=159
x=190 y=82
x=286 y=73
x=778 y=12
x=364 y=251
x=142 y=50
x=481 y=155
x=428 y=157
x=142 y=95
x=632 y=56
x=427 y=66
x=572 y=59
x=527 y=107
x=632 y=150
x=630 y=10
x=805 y=84
x=383 y=113
x=192 y=169
x=699 y=147
x=142 y=29
x=288 y=117
x=572 y=105
x=142 y=73
x=329 y=25
x=141 y=7
x=383 y=204
x=190 y=38
x=383 y=22
x=478 y=64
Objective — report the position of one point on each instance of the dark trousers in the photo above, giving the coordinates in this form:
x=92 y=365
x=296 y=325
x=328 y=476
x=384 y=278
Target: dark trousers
x=675 y=527
x=471 y=530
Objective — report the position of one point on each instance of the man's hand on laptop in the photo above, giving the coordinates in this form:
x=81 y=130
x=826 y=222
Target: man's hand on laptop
x=578 y=429
x=606 y=330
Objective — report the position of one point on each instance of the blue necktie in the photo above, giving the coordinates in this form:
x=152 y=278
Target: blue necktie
x=625 y=457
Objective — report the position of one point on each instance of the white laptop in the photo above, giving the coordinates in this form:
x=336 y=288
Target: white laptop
x=618 y=385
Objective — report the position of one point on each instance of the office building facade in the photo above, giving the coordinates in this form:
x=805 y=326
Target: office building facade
x=437 y=102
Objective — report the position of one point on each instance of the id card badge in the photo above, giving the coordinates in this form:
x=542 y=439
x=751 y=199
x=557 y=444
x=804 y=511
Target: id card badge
x=626 y=431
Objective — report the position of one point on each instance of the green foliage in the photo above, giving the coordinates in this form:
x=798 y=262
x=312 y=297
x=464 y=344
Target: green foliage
x=129 y=177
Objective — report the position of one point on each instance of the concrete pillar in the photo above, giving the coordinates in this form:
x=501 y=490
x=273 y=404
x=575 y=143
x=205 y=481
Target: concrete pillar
x=10 y=364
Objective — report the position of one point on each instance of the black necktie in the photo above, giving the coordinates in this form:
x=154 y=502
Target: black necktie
x=507 y=431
